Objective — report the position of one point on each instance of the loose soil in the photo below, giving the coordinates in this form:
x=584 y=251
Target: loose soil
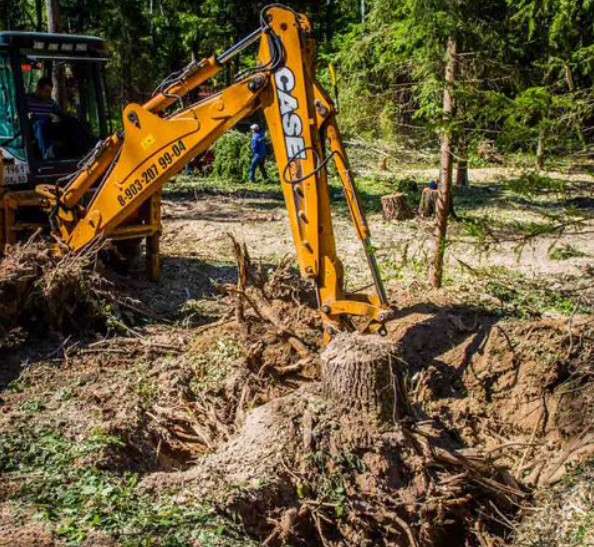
x=210 y=381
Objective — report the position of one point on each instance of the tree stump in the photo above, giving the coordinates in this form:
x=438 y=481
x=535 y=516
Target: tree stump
x=394 y=207
x=360 y=375
x=428 y=204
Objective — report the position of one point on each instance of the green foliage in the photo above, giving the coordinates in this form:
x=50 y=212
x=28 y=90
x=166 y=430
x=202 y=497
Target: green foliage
x=232 y=156
x=410 y=189
x=524 y=73
x=370 y=190
x=395 y=60
x=212 y=367
x=526 y=67
x=564 y=252
x=539 y=112
x=531 y=184
x=523 y=297
x=407 y=186
x=77 y=497
x=185 y=184
x=332 y=477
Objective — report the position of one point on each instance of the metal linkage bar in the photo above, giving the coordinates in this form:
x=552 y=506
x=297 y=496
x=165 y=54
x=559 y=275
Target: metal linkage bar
x=239 y=46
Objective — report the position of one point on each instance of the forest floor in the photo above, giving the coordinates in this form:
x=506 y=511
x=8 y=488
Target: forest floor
x=189 y=418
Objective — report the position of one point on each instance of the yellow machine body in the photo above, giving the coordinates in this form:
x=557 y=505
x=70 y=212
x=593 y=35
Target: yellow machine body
x=116 y=193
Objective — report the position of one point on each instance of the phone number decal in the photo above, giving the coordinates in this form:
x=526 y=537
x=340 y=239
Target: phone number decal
x=151 y=173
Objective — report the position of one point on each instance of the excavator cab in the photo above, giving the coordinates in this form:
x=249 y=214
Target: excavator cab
x=75 y=64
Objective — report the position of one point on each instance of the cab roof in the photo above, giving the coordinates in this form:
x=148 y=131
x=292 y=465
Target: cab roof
x=55 y=45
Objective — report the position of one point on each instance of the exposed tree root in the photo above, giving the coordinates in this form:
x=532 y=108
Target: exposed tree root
x=316 y=473
x=278 y=327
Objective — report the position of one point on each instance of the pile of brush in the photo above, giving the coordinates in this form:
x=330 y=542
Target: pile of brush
x=272 y=317
x=42 y=292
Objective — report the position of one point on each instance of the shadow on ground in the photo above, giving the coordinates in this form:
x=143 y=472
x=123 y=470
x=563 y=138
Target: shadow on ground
x=427 y=332
x=224 y=210
x=182 y=279
x=185 y=193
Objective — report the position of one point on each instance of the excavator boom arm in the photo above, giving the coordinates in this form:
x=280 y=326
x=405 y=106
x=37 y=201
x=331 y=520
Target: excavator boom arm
x=129 y=168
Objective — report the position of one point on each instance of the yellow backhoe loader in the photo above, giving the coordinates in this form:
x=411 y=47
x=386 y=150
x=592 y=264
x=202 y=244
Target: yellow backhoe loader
x=115 y=190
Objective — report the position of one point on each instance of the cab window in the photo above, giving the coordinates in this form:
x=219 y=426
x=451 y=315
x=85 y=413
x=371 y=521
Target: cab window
x=11 y=138
x=75 y=124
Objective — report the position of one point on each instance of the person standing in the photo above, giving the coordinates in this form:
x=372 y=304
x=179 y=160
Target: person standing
x=259 y=152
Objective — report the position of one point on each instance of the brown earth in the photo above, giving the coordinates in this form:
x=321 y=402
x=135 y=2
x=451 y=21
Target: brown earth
x=225 y=404
x=491 y=413
x=502 y=395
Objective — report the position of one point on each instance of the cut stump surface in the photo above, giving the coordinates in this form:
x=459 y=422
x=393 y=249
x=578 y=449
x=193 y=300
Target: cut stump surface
x=360 y=374
x=394 y=207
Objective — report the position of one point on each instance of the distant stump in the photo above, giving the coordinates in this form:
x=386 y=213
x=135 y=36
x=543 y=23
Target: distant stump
x=394 y=207
x=428 y=204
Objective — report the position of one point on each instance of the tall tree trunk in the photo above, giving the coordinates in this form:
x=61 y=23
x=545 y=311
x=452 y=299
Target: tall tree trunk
x=540 y=150
x=462 y=164
x=329 y=21
x=445 y=186
x=53 y=15
x=54 y=25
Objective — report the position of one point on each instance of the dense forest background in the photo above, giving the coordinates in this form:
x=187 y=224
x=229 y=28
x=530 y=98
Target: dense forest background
x=524 y=68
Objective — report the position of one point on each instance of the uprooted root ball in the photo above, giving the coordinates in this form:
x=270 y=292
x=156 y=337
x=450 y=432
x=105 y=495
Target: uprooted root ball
x=20 y=270
x=305 y=470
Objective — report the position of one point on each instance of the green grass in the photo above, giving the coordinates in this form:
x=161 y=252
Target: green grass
x=371 y=190
x=565 y=252
x=188 y=184
x=404 y=267
x=59 y=482
x=533 y=184
x=519 y=209
x=493 y=228
x=523 y=297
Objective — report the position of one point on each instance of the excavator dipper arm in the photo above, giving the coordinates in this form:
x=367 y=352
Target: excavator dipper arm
x=131 y=167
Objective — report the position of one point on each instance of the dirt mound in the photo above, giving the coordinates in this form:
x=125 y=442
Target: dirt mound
x=265 y=440
x=276 y=313
x=435 y=438
x=542 y=388
x=487 y=410
x=524 y=390
x=305 y=471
